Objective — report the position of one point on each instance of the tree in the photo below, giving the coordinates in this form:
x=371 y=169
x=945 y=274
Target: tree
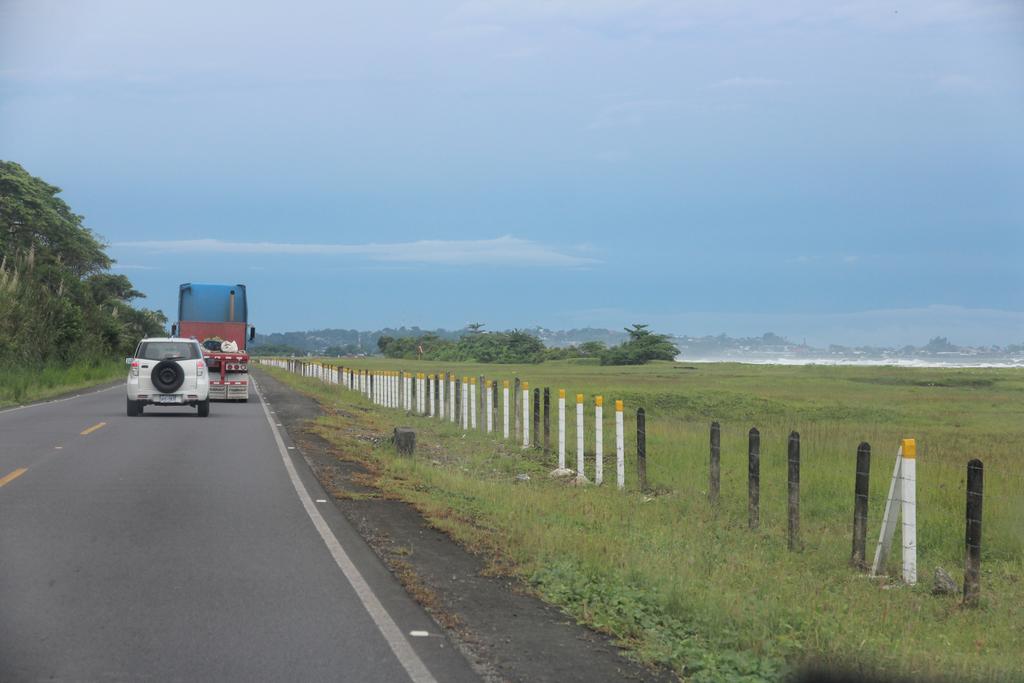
x=642 y=347
x=58 y=303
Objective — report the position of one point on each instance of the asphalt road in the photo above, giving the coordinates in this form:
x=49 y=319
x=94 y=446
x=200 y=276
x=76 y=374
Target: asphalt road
x=169 y=547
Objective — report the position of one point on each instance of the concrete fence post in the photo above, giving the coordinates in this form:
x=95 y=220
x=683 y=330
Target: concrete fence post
x=581 y=465
x=472 y=402
x=598 y=439
x=620 y=447
x=490 y=414
x=561 y=429
x=526 y=414
x=504 y=403
x=439 y=387
x=516 y=417
x=463 y=403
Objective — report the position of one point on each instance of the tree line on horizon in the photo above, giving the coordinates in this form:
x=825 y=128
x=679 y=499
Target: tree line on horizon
x=515 y=346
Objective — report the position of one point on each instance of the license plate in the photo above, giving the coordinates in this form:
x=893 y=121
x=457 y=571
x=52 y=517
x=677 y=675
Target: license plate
x=169 y=398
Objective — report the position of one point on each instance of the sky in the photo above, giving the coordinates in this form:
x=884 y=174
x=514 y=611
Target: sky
x=841 y=172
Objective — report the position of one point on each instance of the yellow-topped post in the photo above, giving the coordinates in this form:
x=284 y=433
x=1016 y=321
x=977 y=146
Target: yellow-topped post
x=620 y=447
x=598 y=439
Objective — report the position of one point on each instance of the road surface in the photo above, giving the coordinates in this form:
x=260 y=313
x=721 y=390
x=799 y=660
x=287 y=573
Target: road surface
x=169 y=547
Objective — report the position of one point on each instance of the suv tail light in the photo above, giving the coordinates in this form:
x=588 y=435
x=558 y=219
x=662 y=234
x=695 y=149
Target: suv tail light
x=134 y=372
x=200 y=368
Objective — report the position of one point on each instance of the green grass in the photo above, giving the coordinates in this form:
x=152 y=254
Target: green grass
x=693 y=588
x=23 y=384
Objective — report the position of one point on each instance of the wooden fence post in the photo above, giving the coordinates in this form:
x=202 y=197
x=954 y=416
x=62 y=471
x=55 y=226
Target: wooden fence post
x=715 y=469
x=794 y=491
x=547 y=420
x=972 y=559
x=480 y=400
x=536 y=417
x=753 y=479
x=860 y=506
x=641 y=448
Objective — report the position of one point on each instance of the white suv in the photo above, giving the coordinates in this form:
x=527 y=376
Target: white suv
x=168 y=371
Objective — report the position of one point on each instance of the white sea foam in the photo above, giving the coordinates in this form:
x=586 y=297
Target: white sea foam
x=862 y=362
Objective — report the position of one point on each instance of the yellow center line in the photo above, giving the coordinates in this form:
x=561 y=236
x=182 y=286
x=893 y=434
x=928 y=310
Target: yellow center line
x=92 y=429
x=13 y=475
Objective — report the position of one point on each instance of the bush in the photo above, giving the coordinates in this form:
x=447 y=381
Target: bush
x=642 y=346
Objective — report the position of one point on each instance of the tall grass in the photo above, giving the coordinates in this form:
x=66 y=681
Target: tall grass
x=692 y=587
x=24 y=384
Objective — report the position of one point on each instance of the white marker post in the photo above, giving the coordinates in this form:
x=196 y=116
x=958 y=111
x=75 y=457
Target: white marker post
x=902 y=491
x=598 y=439
x=488 y=389
x=440 y=396
x=472 y=402
x=451 y=397
x=504 y=403
x=465 y=403
x=430 y=395
x=620 y=447
x=561 y=429
x=526 y=414
x=580 y=465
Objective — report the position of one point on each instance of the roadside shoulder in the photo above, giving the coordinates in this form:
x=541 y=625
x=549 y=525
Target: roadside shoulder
x=502 y=628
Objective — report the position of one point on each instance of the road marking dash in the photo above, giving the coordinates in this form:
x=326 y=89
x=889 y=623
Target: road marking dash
x=291 y=448
x=418 y=634
x=321 y=500
x=13 y=475
x=90 y=430
x=59 y=448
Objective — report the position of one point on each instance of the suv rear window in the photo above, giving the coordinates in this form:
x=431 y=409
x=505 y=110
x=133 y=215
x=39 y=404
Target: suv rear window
x=168 y=350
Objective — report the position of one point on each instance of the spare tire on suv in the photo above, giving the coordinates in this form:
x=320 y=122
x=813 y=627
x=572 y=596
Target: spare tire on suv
x=167 y=376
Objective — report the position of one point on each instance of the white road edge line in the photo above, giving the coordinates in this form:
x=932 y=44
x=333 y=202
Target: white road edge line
x=406 y=656
x=57 y=400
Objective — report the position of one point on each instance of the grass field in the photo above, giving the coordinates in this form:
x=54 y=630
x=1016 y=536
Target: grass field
x=24 y=384
x=695 y=589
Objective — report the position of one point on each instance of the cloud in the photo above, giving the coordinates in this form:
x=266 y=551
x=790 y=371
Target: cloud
x=749 y=83
x=507 y=251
